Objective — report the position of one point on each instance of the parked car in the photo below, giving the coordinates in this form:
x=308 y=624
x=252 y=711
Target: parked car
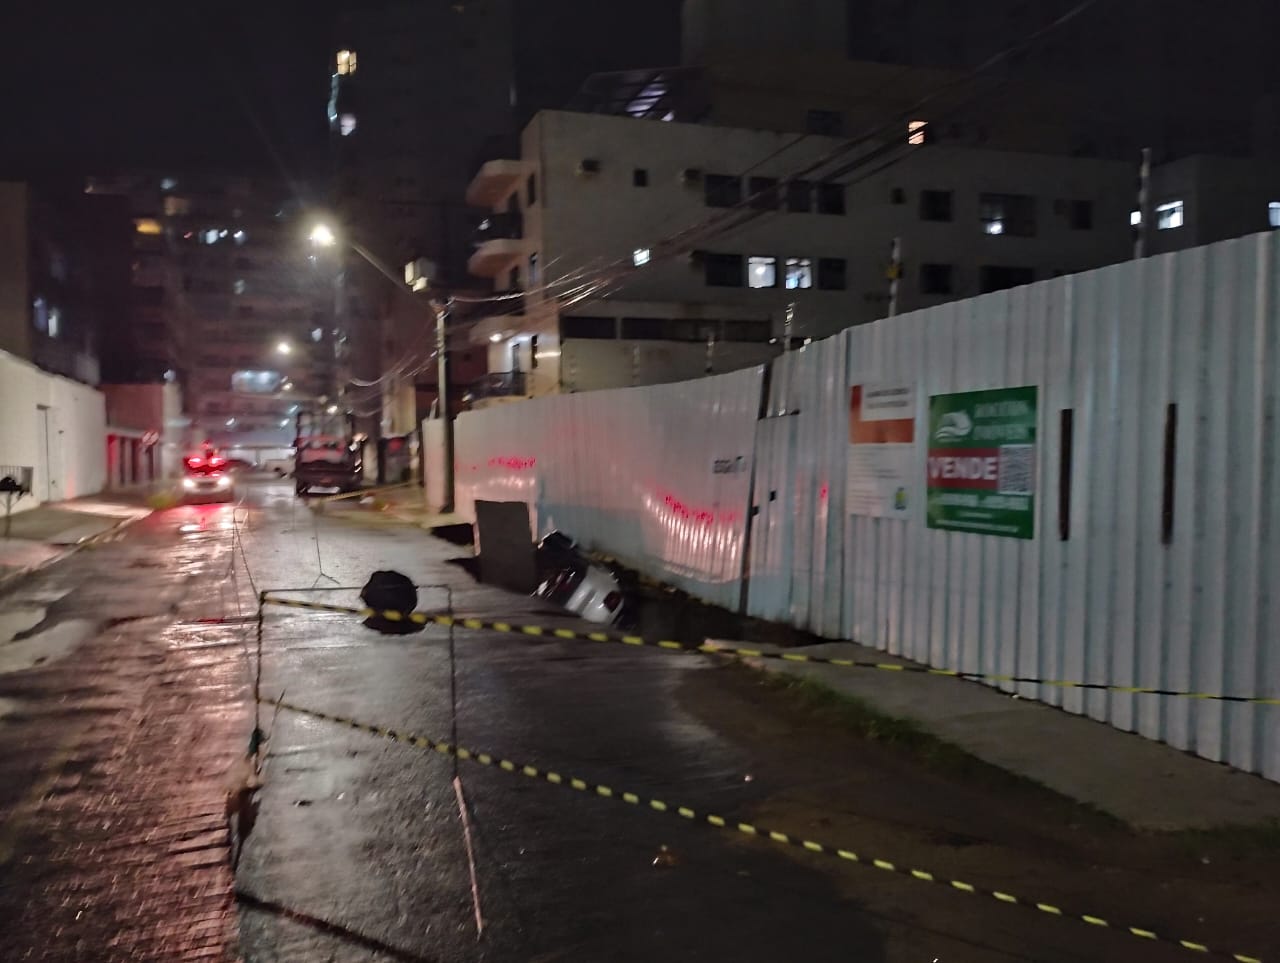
x=205 y=478
x=576 y=583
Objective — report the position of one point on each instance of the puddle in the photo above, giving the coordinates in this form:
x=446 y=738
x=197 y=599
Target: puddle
x=16 y=621
x=43 y=648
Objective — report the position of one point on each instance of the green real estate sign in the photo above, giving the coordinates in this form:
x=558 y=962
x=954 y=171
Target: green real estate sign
x=982 y=462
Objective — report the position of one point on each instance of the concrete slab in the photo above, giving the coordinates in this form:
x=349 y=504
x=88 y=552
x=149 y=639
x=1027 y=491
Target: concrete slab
x=1146 y=784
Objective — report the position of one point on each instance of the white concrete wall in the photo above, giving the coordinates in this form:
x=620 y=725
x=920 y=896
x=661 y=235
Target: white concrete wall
x=56 y=426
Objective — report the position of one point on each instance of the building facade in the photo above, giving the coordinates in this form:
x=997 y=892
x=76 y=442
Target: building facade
x=232 y=300
x=637 y=251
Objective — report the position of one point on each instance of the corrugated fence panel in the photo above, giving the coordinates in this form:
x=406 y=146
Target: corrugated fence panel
x=1156 y=550
x=658 y=476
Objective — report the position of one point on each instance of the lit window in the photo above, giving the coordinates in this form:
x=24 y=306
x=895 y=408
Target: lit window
x=240 y=237
x=640 y=256
x=1169 y=215
x=762 y=272
x=916 y=132
x=346 y=62
x=176 y=206
x=210 y=236
x=168 y=184
x=799 y=273
x=1135 y=218
x=147 y=225
x=1013 y=214
x=40 y=314
x=1273 y=213
x=316 y=334
x=239 y=286
x=347 y=125
x=55 y=322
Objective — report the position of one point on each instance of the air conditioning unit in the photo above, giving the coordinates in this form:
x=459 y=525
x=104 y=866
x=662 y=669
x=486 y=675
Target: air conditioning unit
x=690 y=176
x=588 y=166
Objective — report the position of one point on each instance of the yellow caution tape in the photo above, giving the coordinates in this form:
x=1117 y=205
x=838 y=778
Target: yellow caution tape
x=749 y=829
x=424 y=618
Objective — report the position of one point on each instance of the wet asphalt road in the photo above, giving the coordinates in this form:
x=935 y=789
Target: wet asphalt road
x=114 y=746
x=126 y=679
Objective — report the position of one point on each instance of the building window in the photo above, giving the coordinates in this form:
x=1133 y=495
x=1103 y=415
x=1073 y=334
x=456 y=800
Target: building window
x=917 y=132
x=830 y=198
x=724 y=270
x=1169 y=215
x=644 y=329
x=579 y=327
x=832 y=274
x=177 y=206
x=531 y=190
x=1273 y=213
x=640 y=177
x=994 y=277
x=347 y=125
x=1013 y=214
x=1080 y=215
x=346 y=62
x=828 y=123
x=762 y=272
x=937 y=278
x=238 y=286
x=799 y=197
x=757 y=331
x=935 y=206
x=513 y=280
x=722 y=190
x=799 y=273
x=640 y=256
x=1135 y=218
x=763 y=192
x=533 y=268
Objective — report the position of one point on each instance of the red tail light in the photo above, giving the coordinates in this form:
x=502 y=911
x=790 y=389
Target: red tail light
x=195 y=461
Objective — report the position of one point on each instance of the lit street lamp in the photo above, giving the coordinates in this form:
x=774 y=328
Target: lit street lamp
x=323 y=236
x=284 y=347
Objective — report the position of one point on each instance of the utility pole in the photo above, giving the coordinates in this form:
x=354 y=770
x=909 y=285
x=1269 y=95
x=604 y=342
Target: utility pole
x=1144 y=192
x=441 y=309
x=895 y=274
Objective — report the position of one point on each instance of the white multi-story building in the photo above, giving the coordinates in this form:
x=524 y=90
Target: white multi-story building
x=650 y=251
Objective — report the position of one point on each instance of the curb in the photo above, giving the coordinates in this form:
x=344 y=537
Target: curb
x=14 y=577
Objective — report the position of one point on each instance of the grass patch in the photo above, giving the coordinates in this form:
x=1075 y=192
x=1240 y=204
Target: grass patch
x=1236 y=842
x=828 y=707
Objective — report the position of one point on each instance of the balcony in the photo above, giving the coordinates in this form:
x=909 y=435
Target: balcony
x=491 y=258
x=497 y=384
x=494 y=181
x=508 y=226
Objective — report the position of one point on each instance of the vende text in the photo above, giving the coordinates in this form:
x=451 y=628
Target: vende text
x=964 y=468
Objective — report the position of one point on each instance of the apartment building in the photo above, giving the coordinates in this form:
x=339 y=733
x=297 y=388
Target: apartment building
x=636 y=251
x=232 y=299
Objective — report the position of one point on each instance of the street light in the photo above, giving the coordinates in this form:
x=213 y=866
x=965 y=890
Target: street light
x=323 y=236
x=284 y=347
x=332 y=409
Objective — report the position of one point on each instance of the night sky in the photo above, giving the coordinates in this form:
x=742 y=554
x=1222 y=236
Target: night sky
x=236 y=84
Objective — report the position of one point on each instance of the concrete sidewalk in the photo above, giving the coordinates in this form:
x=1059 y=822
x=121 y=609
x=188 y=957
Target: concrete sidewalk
x=397 y=505
x=46 y=533
x=1146 y=784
